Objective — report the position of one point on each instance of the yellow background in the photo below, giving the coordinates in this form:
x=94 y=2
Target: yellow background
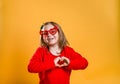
x=91 y=26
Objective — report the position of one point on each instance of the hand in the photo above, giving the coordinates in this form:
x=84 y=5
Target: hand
x=56 y=60
x=66 y=61
x=61 y=61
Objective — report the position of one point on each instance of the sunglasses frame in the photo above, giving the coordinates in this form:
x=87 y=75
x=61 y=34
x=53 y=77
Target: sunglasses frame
x=45 y=32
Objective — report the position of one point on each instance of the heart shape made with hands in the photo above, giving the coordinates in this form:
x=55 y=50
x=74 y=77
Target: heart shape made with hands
x=62 y=61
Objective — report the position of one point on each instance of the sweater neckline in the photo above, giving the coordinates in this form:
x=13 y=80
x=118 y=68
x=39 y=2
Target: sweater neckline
x=56 y=55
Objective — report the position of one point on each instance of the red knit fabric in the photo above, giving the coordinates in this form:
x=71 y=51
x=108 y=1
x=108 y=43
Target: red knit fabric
x=42 y=62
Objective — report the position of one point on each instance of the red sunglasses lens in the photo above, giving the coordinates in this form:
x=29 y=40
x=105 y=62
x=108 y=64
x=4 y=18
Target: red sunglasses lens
x=44 y=32
x=53 y=31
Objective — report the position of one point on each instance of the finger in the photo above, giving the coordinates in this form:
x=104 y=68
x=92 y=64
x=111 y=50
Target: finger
x=66 y=60
x=56 y=61
x=58 y=58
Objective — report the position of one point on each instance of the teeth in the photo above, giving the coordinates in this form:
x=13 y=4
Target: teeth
x=50 y=39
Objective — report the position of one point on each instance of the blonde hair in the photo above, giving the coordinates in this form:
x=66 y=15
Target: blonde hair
x=62 y=39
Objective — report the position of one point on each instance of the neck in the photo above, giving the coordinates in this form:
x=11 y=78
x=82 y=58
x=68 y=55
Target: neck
x=55 y=50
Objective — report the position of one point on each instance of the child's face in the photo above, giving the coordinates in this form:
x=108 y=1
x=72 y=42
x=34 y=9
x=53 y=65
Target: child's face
x=50 y=35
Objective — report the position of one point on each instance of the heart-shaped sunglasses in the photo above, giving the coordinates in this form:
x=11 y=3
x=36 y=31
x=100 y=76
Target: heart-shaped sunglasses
x=52 y=31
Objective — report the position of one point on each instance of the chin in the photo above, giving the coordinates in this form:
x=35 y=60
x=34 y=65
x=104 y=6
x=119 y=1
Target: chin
x=51 y=44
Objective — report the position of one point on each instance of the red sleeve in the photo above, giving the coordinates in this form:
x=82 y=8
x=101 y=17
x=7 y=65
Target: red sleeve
x=37 y=65
x=77 y=61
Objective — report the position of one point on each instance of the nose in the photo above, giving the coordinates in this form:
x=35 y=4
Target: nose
x=49 y=34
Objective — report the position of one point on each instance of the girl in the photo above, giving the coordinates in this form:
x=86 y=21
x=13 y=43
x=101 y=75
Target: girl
x=54 y=60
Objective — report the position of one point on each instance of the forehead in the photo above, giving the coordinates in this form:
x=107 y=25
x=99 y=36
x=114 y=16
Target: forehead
x=47 y=27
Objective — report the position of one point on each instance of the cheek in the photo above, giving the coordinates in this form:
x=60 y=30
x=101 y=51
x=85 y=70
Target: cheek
x=45 y=38
x=57 y=36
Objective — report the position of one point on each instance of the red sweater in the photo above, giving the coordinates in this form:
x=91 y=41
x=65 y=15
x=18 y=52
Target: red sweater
x=42 y=63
